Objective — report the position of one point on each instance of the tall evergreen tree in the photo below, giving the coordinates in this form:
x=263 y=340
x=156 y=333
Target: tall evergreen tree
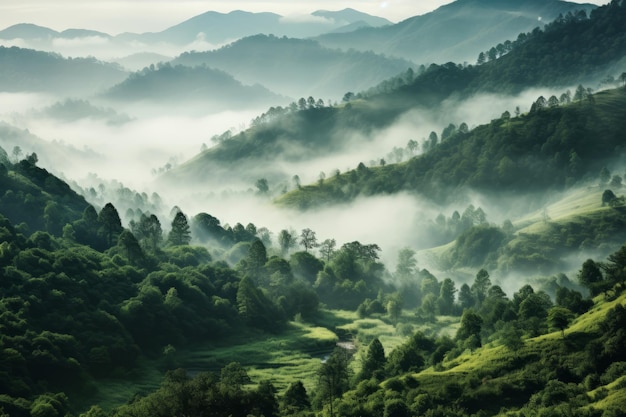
x=110 y=223
x=180 y=234
x=374 y=362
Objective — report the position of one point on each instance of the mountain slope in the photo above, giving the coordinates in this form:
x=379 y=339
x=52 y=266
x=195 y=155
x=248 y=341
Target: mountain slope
x=298 y=68
x=29 y=70
x=546 y=149
x=27 y=31
x=34 y=196
x=457 y=32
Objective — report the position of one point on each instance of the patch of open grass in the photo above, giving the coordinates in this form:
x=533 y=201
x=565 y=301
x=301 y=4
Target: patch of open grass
x=293 y=355
x=112 y=393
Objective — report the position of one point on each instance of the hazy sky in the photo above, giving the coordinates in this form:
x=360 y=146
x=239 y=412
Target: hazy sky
x=116 y=16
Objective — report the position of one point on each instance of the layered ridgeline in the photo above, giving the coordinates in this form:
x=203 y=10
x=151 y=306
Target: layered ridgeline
x=213 y=27
x=95 y=312
x=297 y=67
x=457 y=31
x=563 y=54
x=203 y=85
x=26 y=70
x=219 y=28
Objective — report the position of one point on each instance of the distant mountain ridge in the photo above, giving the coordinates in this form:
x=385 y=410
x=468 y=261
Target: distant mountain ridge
x=457 y=31
x=297 y=67
x=29 y=70
x=166 y=82
x=31 y=31
x=216 y=27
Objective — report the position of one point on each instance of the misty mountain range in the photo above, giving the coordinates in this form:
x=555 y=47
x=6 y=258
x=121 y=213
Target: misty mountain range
x=455 y=32
x=560 y=56
x=217 y=28
x=298 y=67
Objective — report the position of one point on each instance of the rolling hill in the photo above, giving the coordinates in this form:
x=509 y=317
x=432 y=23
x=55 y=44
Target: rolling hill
x=199 y=84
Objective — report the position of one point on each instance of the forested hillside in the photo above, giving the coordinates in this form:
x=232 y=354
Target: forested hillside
x=536 y=59
x=86 y=302
x=553 y=146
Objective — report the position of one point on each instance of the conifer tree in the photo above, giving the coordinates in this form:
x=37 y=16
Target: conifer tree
x=180 y=234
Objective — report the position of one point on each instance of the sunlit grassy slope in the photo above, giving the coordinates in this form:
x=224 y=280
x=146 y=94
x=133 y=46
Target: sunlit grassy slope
x=574 y=223
x=496 y=364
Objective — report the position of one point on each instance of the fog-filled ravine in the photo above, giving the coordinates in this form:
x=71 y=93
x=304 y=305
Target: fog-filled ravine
x=348 y=208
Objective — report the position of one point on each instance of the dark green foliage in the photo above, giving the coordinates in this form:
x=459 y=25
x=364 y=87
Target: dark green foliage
x=471 y=325
x=559 y=318
x=205 y=395
x=396 y=408
x=295 y=399
x=369 y=307
x=466 y=298
x=533 y=312
x=608 y=197
x=110 y=224
x=207 y=228
x=255 y=261
x=70 y=313
x=305 y=266
x=352 y=275
x=615 y=267
x=410 y=356
x=130 y=247
x=180 y=233
x=255 y=309
x=480 y=286
x=374 y=363
x=591 y=277
x=33 y=196
x=333 y=378
x=148 y=231
x=572 y=300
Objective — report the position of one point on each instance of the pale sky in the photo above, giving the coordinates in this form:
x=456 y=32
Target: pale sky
x=117 y=16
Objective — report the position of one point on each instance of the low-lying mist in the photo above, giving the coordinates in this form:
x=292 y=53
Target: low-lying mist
x=135 y=152
x=113 y=50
